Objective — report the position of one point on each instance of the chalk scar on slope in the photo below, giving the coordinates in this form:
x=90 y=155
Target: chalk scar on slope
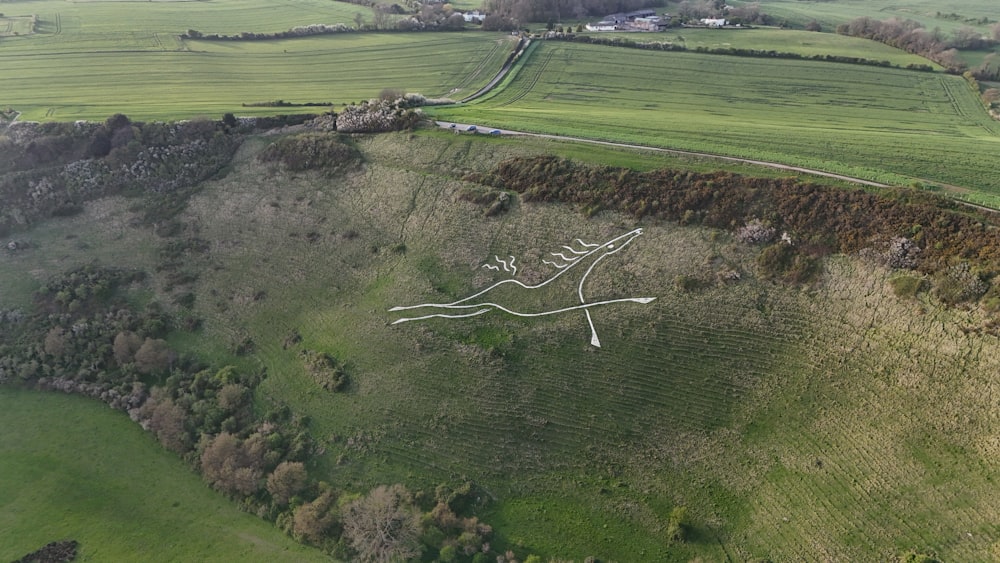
x=567 y=260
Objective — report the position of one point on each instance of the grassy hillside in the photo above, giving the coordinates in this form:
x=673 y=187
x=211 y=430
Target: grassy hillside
x=887 y=125
x=928 y=12
x=73 y=469
x=838 y=422
x=88 y=60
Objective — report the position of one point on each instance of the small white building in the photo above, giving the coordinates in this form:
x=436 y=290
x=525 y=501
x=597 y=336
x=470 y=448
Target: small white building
x=713 y=22
x=602 y=26
x=474 y=16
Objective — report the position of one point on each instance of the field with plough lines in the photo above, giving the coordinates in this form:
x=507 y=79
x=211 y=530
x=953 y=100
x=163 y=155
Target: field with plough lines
x=932 y=14
x=89 y=60
x=887 y=125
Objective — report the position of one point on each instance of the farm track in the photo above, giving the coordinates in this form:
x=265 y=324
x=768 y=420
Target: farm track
x=525 y=90
x=479 y=68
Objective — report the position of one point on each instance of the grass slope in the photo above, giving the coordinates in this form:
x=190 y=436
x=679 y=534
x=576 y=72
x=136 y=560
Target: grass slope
x=838 y=423
x=73 y=469
x=881 y=124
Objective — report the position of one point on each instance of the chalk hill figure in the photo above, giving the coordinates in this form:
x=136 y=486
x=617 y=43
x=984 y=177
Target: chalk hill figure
x=567 y=262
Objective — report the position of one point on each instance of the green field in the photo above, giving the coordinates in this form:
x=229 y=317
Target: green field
x=887 y=125
x=89 y=60
x=804 y=43
x=839 y=423
x=74 y=469
x=830 y=14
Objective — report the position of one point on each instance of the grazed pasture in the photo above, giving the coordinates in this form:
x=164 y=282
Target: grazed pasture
x=73 y=469
x=888 y=125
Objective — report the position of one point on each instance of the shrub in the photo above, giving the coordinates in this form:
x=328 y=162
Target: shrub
x=959 y=284
x=288 y=480
x=677 y=524
x=383 y=526
x=325 y=369
x=782 y=262
x=312 y=151
x=907 y=287
x=313 y=521
x=755 y=232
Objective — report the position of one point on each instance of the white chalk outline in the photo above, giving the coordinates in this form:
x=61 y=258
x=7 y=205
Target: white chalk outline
x=578 y=256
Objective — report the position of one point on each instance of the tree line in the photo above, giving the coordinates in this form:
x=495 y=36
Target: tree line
x=912 y=37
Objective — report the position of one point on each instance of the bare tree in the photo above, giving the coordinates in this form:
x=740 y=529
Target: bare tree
x=154 y=356
x=125 y=346
x=383 y=526
x=313 y=521
x=288 y=480
x=232 y=466
x=165 y=419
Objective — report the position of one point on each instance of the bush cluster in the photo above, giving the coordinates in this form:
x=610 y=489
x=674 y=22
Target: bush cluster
x=312 y=151
x=378 y=115
x=52 y=169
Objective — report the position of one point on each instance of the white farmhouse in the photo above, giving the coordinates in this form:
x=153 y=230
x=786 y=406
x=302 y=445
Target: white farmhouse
x=712 y=22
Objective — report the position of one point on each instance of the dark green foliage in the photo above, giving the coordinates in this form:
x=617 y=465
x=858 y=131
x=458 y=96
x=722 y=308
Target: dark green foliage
x=55 y=552
x=783 y=262
x=687 y=283
x=312 y=151
x=959 y=283
x=325 y=369
x=677 y=524
x=52 y=169
x=907 y=287
x=917 y=557
x=496 y=202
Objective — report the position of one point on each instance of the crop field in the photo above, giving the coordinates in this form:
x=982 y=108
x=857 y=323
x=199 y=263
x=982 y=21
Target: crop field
x=928 y=12
x=89 y=60
x=16 y=26
x=881 y=124
x=73 y=469
x=805 y=43
x=839 y=423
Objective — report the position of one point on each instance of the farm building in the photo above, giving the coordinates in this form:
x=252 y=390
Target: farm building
x=602 y=26
x=652 y=23
x=713 y=22
x=623 y=17
x=474 y=16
